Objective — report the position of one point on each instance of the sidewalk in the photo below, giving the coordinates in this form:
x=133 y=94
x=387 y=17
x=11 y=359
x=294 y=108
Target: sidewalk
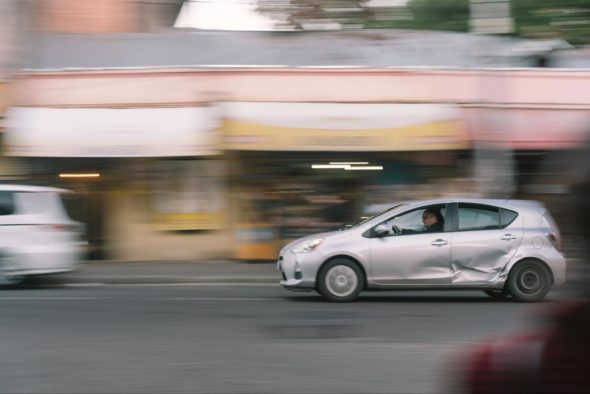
x=217 y=271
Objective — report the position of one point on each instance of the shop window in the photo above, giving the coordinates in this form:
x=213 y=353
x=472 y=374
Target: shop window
x=189 y=195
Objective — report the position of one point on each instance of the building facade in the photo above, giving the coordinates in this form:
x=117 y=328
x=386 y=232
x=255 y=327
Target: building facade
x=216 y=162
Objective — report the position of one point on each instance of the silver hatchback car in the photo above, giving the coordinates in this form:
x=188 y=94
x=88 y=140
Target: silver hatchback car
x=508 y=249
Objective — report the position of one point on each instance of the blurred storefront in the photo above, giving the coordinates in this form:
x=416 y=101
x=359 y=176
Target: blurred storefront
x=141 y=175
x=392 y=150
x=197 y=163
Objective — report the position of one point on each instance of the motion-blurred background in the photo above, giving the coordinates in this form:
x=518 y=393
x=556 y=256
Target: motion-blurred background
x=190 y=129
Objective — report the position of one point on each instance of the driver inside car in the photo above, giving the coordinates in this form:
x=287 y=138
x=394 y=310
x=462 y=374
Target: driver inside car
x=431 y=218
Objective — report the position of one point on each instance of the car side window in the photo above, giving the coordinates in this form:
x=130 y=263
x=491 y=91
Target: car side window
x=412 y=222
x=6 y=203
x=478 y=217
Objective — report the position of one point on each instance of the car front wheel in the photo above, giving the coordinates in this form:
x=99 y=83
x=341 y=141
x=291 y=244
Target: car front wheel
x=340 y=280
x=529 y=281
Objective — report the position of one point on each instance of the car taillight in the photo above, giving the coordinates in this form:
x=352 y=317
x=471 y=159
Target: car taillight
x=551 y=230
x=554 y=239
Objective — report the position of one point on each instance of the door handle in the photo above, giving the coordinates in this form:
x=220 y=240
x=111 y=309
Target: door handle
x=439 y=242
x=508 y=237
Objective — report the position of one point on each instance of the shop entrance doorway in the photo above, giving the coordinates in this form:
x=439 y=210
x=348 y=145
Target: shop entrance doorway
x=86 y=204
x=87 y=179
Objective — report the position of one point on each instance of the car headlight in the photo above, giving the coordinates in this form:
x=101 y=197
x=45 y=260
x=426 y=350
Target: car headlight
x=308 y=246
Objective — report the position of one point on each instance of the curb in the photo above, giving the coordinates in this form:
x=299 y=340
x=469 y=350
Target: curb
x=152 y=280
x=171 y=272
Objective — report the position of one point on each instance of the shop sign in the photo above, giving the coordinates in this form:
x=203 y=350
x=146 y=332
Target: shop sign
x=342 y=127
x=111 y=132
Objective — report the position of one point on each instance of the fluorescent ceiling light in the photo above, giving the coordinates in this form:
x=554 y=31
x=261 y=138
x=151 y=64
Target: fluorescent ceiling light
x=349 y=163
x=325 y=166
x=81 y=175
x=364 y=168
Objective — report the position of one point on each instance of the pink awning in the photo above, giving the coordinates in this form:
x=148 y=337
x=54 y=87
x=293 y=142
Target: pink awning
x=530 y=128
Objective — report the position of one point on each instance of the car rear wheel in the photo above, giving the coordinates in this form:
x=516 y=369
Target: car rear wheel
x=529 y=281
x=340 y=280
x=7 y=276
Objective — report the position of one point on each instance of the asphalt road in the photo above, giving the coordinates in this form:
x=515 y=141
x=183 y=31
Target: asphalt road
x=238 y=339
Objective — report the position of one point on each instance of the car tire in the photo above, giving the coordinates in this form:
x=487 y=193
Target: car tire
x=529 y=281
x=340 y=280
x=497 y=294
x=8 y=279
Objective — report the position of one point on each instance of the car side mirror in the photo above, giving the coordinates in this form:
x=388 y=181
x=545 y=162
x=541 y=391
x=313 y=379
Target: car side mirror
x=381 y=230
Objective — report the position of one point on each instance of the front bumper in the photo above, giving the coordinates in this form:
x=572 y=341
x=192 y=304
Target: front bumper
x=299 y=271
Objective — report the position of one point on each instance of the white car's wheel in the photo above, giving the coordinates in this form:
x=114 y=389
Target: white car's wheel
x=7 y=276
x=340 y=280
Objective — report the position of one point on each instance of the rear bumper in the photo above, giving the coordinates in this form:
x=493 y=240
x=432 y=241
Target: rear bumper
x=49 y=260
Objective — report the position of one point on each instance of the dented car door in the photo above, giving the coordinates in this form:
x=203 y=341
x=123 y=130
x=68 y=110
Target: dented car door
x=485 y=239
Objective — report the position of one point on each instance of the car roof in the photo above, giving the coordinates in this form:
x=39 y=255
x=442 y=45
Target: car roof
x=485 y=201
x=31 y=188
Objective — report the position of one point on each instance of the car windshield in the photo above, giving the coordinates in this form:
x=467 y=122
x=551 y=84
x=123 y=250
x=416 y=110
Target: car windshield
x=364 y=220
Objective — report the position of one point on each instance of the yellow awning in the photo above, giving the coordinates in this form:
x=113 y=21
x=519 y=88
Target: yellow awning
x=343 y=127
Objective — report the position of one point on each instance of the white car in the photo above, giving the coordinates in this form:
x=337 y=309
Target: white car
x=36 y=234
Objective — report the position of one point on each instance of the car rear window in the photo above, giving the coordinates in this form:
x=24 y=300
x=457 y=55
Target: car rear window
x=506 y=217
x=6 y=202
x=44 y=202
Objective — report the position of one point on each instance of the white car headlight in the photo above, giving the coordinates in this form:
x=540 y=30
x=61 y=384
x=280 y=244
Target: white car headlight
x=308 y=246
